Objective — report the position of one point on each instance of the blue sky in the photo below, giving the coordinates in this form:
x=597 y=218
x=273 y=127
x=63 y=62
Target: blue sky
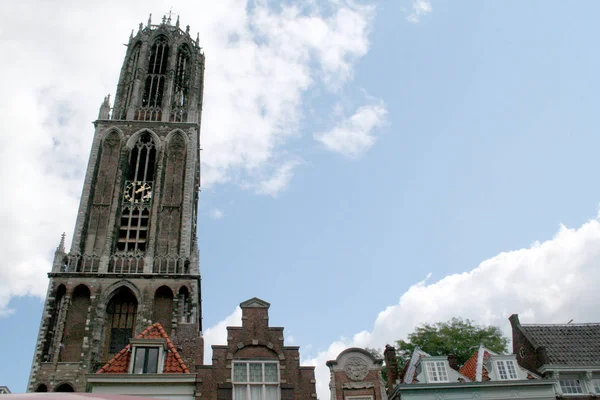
x=458 y=177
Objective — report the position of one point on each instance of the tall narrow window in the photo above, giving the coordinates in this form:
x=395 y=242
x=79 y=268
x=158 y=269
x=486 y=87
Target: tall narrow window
x=181 y=85
x=128 y=82
x=121 y=313
x=155 y=81
x=137 y=196
x=184 y=305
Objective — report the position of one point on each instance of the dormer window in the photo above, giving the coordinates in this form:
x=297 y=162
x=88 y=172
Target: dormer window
x=571 y=386
x=436 y=371
x=146 y=360
x=506 y=370
x=147 y=356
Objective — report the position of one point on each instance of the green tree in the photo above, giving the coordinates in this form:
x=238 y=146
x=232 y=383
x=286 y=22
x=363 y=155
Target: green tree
x=457 y=336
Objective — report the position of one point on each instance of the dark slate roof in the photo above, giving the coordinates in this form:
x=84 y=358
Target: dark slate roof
x=576 y=344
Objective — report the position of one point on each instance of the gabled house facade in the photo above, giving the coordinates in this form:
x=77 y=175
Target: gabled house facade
x=356 y=375
x=567 y=353
x=486 y=375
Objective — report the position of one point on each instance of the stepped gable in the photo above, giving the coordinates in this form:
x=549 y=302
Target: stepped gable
x=174 y=364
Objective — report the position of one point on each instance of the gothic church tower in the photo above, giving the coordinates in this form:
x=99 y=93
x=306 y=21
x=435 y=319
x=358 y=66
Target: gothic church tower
x=134 y=258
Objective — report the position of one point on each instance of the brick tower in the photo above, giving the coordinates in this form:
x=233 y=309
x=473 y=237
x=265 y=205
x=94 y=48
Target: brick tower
x=134 y=258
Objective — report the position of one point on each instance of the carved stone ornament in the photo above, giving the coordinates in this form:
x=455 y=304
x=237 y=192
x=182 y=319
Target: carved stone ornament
x=356 y=368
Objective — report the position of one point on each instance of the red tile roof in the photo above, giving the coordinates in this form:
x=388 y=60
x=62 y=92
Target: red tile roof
x=469 y=368
x=174 y=364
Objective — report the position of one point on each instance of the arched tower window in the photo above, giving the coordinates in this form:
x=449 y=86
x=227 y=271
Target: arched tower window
x=65 y=387
x=121 y=313
x=181 y=85
x=163 y=307
x=184 y=305
x=74 y=332
x=41 y=388
x=137 y=196
x=131 y=73
x=155 y=81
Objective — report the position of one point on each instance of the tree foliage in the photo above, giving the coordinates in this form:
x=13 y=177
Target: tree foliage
x=457 y=336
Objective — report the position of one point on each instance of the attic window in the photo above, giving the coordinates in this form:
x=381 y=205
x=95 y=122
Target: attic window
x=506 y=370
x=146 y=360
x=571 y=386
x=436 y=371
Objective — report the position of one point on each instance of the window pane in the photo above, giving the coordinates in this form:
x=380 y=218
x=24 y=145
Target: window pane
x=152 y=363
x=239 y=391
x=501 y=370
x=442 y=371
x=271 y=391
x=571 y=386
x=256 y=372
x=140 y=356
x=255 y=391
x=512 y=372
x=239 y=372
x=596 y=383
x=271 y=372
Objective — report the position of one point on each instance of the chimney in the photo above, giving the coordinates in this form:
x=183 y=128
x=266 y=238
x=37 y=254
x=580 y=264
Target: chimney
x=452 y=360
x=391 y=366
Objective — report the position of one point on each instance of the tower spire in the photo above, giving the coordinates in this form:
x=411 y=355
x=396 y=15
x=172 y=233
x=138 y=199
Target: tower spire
x=61 y=245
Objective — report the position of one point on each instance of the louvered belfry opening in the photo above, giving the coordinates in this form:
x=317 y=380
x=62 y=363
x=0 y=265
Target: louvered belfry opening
x=181 y=85
x=152 y=99
x=137 y=196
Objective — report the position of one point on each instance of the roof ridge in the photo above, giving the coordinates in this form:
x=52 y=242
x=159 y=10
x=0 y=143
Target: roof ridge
x=577 y=324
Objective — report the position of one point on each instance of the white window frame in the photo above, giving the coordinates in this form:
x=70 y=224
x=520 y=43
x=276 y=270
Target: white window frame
x=569 y=386
x=596 y=385
x=437 y=371
x=249 y=384
x=148 y=343
x=509 y=369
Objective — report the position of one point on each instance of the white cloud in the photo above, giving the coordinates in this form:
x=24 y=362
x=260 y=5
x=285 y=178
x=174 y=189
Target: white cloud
x=215 y=213
x=419 y=9
x=279 y=180
x=260 y=62
x=290 y=340
x=538 y=283
x=217 y=334
x=355 y=135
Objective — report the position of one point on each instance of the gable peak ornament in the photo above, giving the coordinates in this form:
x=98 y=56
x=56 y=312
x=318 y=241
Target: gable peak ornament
x=356 y=368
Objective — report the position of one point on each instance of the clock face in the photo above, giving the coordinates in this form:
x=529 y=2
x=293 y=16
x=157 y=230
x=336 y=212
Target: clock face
x=138 y=192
